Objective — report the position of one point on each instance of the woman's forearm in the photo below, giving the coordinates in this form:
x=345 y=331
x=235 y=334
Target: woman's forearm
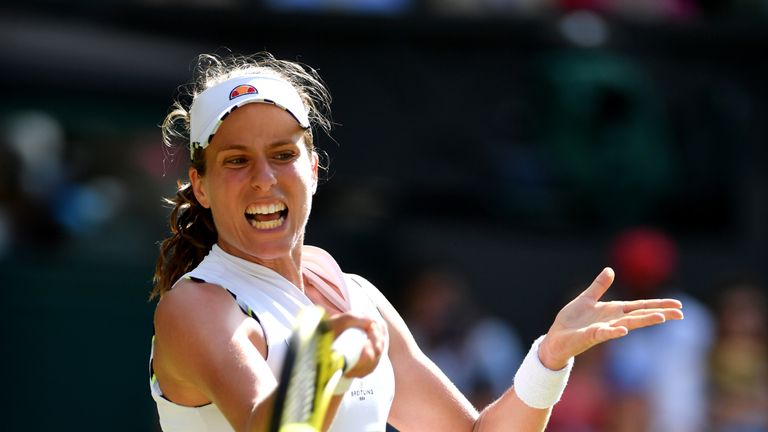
x=510 y=413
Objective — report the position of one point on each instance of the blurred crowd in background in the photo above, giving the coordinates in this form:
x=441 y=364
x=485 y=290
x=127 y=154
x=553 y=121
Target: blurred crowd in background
x=491 y=156
x=634 y=9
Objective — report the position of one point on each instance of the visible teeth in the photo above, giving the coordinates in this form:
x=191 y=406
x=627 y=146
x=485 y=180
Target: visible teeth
x=265 y=208
x=267 y=224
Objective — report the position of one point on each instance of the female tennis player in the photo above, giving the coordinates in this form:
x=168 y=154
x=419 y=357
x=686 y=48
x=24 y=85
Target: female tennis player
x=235 y=273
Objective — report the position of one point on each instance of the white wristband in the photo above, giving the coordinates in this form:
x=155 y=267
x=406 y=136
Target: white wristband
x=342 y=386
x=537 y=386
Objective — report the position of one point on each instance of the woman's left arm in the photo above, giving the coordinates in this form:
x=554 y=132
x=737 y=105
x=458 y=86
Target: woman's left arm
x=426 y=400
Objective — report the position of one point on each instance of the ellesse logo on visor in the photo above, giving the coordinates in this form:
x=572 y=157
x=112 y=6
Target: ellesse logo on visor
x=242 y=89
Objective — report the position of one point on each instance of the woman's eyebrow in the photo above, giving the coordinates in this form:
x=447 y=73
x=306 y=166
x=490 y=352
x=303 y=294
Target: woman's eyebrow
x=227 y=147
x=276 y=143
x=241 y=147
x=281 y=142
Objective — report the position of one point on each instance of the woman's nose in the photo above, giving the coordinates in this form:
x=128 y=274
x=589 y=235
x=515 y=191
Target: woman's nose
x=263 y=176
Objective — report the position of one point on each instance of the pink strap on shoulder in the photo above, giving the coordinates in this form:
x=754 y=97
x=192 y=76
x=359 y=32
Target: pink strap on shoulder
x=324 y=273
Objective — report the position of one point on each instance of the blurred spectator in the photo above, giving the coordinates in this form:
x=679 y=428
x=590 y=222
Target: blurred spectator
x=365 y=6
x=37 y=139
x=489 y=7
x=658 y=375
x=480 y=354
x=740 y=360
x=637 y=9
x=40 y=199
x=31 y=153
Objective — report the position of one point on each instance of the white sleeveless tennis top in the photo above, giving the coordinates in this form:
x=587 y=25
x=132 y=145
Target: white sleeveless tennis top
x=274 y=301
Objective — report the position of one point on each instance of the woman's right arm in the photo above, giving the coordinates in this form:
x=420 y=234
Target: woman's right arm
x=207 y=350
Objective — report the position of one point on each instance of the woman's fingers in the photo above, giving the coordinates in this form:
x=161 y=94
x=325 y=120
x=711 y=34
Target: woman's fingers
x=670 y=314
x=600 y=285
x=605 y=332
x=621 y=327
x=377 y=336
x=633 y=322
x=630 y=306
x=600 y=332
x=374 y=346
x=343 y=321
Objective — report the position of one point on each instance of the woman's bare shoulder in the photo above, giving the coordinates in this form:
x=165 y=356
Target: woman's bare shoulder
x=197 y=316
x=189 y=298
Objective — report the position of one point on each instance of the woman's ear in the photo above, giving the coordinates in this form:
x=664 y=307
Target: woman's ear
x=198 y=187
x=315 y=166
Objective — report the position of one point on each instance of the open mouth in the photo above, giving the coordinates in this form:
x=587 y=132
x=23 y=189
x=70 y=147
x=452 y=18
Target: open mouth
x=266 y=216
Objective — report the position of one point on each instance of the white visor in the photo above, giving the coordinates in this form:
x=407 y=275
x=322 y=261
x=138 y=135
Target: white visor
x=211 y=107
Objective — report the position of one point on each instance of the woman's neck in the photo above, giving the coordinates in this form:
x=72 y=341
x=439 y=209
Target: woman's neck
x=288 y=266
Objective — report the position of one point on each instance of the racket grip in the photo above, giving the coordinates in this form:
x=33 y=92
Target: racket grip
x=350 y=345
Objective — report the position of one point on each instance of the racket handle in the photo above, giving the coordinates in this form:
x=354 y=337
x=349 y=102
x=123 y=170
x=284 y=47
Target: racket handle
x=350 y=345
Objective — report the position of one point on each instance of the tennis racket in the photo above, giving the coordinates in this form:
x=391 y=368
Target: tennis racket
x=312 y=368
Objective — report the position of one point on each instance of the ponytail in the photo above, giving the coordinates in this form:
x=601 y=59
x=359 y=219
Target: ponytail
x=192 y=236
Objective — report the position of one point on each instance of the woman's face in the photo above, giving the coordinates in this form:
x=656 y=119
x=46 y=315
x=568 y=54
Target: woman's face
x=258 y=183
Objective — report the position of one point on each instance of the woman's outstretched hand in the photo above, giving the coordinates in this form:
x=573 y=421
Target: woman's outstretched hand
x=586 y=321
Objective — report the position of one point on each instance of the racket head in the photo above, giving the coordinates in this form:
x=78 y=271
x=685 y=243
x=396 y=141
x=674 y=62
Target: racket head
x=297 y=394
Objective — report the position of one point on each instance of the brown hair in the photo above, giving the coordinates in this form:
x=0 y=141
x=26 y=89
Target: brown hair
x=193 y=232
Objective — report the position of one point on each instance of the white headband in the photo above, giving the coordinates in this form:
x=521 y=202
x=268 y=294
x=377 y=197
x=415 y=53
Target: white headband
x=211 y=107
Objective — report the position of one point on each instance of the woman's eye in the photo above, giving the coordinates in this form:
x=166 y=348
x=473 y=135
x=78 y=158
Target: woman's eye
x=285 y=156
x=235 y=161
